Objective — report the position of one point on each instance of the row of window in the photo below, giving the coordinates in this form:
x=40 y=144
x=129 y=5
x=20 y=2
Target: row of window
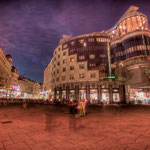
x=83 y=41
x=91 y=56
x=80 y=67
x=129 y=25
x=132 y=49
x=71 y=77
x=131 y=42
x=94 y=64
x=71 y=68
x=72 y=59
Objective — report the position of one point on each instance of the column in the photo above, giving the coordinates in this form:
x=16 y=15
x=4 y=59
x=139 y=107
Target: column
x=67 y=92
x=110 y=94
x=122 y=94
x=88 y=92
x=77 y=92
x=60 y=93
x=99 y=92
x=55 y=94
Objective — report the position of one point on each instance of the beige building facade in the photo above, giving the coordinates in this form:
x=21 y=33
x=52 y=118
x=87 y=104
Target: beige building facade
x=5 y=70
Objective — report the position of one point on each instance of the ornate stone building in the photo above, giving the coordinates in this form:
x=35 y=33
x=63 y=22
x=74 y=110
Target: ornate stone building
x=5 y=70
x=102 y=65
x=29 y=88
x=12 y=85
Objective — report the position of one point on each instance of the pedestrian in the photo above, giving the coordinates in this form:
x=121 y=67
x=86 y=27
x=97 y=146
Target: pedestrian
x=71 y=107
x=85 y=103
x=75 y=105
x=82 y=108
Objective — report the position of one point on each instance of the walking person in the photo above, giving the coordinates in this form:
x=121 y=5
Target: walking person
x=82 y=108
x=71 y=107
x=86 y=103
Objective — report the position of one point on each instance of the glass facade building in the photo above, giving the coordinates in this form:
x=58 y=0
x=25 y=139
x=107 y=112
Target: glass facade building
x=102 y=65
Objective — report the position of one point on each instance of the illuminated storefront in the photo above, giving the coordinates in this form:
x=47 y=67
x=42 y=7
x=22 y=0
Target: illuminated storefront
x=64 y=95
x=57 y=95
x=3 y=93
x=140 y=96
x=51 y=95
x=116 y=97
x=15 y=92
x=27 y=96
x=82 y=94
x=93 y=96
x=105 y=95
x=72 y=95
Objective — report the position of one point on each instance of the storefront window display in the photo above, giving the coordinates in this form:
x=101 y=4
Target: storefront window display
x=105 y=96
x=64 y=95
x=82 y=94
x=93 y=96
x=72 y=95
x=57 y=95
x=3 y=93
x=116 y=97
x=139 y=96
x=51 y=95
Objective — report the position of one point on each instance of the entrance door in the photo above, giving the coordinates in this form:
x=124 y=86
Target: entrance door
x=72 y=95
x=116 y=98
x=105 y=98
x=57 y=95
x=93 y=96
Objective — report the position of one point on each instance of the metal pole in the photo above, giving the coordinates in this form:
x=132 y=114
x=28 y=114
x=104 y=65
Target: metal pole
x=109 y=58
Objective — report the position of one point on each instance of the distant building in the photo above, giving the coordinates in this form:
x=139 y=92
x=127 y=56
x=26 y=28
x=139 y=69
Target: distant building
x=29 y=88
x=14 y=86
x=5 y=69
x=111 y=65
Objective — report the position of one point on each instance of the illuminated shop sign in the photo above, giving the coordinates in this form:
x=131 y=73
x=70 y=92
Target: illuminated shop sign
x=105 y=90
x=111 y=77
x=115 y=90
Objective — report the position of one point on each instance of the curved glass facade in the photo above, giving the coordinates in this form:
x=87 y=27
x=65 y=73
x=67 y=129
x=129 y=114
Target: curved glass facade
x=131 y=47
x=130 y=24
x=92 y=49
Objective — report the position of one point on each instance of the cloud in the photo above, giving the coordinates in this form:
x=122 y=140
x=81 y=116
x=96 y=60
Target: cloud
x=30 y=30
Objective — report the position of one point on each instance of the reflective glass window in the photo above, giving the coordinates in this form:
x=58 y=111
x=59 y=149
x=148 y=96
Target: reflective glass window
x=129 y=25
x=134 y=22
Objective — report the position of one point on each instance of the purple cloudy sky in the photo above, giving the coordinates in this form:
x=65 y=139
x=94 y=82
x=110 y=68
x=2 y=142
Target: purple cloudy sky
x=31 y=29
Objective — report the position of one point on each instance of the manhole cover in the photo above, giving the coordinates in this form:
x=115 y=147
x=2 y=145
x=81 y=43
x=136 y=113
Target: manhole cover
x=4 y=122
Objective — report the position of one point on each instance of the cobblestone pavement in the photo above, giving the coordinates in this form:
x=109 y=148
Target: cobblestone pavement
x=50 y=127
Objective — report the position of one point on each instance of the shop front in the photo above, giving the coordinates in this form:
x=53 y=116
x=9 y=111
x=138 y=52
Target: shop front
x=105 y=96
x=140 y=96
x=82 y=94
x=57 y=94
x=116 y=97
x=51 y=95
x=93 y=96
x=3 y=93
x=64 y=95
x=72 y=95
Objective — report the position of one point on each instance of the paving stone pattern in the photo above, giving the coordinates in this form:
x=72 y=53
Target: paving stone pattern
x=51 y=127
